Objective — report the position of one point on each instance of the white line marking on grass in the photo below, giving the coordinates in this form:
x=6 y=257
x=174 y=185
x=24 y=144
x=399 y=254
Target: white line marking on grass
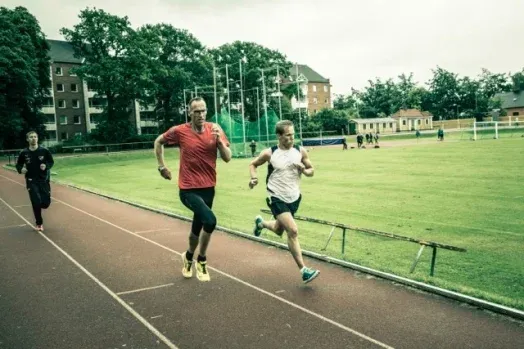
x=151 y=231
x=144 y=289
x=151 y=328
x=21 y=206
x=245 y=283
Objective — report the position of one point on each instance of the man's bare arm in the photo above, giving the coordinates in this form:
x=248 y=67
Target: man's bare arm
x=261 y=159
x=159 y=153
x=309 y=170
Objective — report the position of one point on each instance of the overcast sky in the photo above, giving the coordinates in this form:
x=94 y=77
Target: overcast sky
x=347 y=41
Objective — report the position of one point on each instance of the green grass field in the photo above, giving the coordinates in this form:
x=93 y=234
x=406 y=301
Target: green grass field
x=467 y=194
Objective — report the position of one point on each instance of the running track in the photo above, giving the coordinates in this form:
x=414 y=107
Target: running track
x=107 y=275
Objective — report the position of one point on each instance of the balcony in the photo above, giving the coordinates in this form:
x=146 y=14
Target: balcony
x=148 y=123
x=48 y=109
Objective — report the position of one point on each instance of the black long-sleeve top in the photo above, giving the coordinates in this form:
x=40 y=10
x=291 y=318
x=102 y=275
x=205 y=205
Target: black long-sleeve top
x=32 y=159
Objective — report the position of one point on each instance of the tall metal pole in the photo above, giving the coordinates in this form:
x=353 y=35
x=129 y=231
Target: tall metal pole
x=215 y=93
x=242 y=105
x=185 y=103
x=265 y=105
x=279 y=98
x=229 y=106
x=298 y=99
x=258 y=115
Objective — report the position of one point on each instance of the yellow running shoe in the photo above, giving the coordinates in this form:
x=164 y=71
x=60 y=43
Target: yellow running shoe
x=202 y=274
x=186 y=270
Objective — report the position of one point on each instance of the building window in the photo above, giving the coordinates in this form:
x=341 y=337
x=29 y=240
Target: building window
x=325 y=88
x=94 y=118
x=404 y=122
x=63 y=135
x=364 y=126
x=418 y=121
x=78 y=134
x=49 y=118
x=427 y=121
x=97 y=102
x=325 y=101
x=315 y=100
x=515 y=113
x=314 y=88
x=147 y=116
x=76 y=103
x=384 y=125
x=60 y=87
x=61 y=103
x=63 y=120
x=149 y=130
x=74 y=88
x=48 y=102
x=50 y=135
x=370 y=125
x=76 y=119
x=58 y=71
x=71 y=73
x=390 y=125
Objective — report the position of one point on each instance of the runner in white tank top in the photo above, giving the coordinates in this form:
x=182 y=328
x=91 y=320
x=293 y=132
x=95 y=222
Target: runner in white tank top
x=286 y=164
x=283 y=176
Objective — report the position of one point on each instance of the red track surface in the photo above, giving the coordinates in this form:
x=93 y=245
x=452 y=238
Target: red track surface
x=89 y=282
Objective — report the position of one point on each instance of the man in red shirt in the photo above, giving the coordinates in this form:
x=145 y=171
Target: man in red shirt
x=198 y=141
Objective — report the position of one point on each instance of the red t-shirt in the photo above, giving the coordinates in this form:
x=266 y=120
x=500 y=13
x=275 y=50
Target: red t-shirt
x=198 y=155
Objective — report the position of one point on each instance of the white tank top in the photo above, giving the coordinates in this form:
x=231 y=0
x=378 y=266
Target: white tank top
x=283 y=177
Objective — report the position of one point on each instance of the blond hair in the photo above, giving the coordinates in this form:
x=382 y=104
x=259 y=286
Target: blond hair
x=280 y=127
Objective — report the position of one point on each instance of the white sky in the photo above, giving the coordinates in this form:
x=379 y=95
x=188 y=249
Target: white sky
x=347 y=41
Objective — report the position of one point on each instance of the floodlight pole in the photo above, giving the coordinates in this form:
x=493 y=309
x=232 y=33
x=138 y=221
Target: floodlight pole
x=185 y=103
x=279 y=98
x=265 y=104
x=258 y=114
x=215 y=93
x=242 y=104
x=229 y=106
x=298 y=100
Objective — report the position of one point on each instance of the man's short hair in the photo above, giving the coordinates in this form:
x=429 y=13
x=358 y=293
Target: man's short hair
x=195 y=99
x=30 y=133
x=280 y=127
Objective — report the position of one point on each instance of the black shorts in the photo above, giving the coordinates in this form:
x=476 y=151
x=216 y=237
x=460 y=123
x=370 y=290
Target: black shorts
x=278 y=206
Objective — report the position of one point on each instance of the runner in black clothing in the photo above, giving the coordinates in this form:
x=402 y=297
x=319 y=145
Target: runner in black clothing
x=36 y=162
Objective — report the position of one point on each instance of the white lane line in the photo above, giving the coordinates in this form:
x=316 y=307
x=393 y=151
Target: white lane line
x=13 y=226
x=151 y=231
x=21 y=206
x=245 y=283
x=151 y=328
x=144 y=289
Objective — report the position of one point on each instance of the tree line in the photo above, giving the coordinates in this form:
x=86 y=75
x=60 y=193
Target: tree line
x=155 y=63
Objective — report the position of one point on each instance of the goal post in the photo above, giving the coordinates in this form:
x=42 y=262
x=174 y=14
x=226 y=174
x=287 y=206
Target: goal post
x=497 y=129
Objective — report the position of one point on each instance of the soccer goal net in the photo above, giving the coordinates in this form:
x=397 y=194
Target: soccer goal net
x=497 y=129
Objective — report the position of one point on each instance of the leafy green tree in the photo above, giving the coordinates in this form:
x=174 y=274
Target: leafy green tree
x=444 y=99
x=114 y=67
x=177 y=61
x=24 y=76
x=517 y=80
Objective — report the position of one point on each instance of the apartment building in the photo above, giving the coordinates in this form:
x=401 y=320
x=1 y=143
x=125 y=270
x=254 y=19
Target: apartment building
x=316 y=90
x=72 y=108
